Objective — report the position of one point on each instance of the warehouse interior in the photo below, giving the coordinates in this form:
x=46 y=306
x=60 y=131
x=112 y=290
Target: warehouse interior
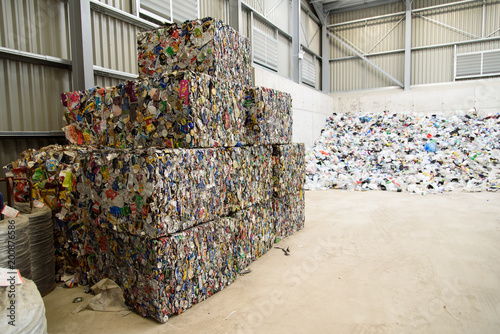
x=384 y=113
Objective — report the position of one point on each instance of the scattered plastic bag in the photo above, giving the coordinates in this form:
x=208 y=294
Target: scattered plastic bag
x=108 y=298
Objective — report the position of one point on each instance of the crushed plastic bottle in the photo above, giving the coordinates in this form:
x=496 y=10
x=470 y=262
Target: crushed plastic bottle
x=407 y=152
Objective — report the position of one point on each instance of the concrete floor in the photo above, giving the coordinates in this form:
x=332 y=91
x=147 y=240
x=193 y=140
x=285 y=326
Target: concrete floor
x=366 y=262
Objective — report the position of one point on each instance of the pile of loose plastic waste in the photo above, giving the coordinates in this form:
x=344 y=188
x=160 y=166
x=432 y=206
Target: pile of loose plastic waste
x=407 y=152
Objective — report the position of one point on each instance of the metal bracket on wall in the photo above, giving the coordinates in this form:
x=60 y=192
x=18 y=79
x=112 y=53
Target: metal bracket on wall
x=357 y=53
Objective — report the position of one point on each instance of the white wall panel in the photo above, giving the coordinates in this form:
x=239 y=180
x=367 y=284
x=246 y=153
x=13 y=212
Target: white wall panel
x=310 y=33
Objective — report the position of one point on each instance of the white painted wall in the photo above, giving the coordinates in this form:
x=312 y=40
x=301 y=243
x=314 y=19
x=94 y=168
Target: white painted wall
x=484 y=95
x=310 y=107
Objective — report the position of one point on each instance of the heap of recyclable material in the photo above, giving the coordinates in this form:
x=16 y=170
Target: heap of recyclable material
x=407 y=152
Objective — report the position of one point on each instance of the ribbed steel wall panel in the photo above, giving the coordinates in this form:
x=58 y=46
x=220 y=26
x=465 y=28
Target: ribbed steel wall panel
x=373 y=36
x=310 y=33
x=125 y=5
x=244 y=24
x=419 y=4
x=185 y=10
x=353 y=34
x=31 y=96
x=37 y=26
x=433 y=65
x=107 y=81
x=355 y=74
x=276 y=11
x=369 y=12
x=466 y=17
x=214 y=8
x=114 y=43
x=492 y=18
x=484 y=46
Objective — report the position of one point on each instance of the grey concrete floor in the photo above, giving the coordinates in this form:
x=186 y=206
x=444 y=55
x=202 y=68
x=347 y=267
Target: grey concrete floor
x=366 y=262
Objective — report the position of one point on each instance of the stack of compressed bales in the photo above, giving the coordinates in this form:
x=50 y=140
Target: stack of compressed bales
x=180 y=180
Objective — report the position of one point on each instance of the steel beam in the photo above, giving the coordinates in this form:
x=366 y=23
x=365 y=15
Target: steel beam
x=369 y=62
x=81 y=44
x=350 y=5
x=107 y=72
x=325 y=64
x=261 y=17
x=121 y=15
x=295 y=29
x=34 y=58
x=4 y=134
x=448 y=26
x=420 y=48
x=407 y=78
x=311 y=14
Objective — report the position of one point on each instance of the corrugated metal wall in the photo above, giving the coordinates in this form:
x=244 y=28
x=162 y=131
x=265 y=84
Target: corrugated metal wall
x=214 y=8
x=114 y=43
x=361 y=14
x=31 y=96
x=102 y=81
x=31 y=93
x=37 y=26
x=453 y=24
x=125 y=5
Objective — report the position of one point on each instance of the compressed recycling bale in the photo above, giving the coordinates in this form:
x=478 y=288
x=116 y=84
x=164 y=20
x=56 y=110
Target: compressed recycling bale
x=289 y=214
x=165 y=276
x=254 y=235
x=250 y=176
x=269 y=116
x=153 y=192
x=173 y=110
x=288 y=169
x=205 y=46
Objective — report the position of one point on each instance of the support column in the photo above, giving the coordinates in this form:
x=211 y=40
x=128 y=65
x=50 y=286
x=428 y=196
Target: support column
x=325 y=63
x=295 y=30
x=82 y=56
x=407 y=80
